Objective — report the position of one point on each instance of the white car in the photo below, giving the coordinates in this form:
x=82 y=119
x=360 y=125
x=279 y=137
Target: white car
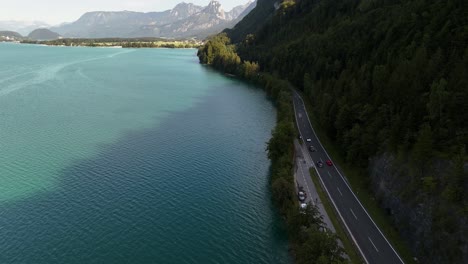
x=308 y=140
x=302 y=196
x=303 y=205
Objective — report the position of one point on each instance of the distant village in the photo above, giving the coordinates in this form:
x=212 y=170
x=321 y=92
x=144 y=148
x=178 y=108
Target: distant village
x=10 y=39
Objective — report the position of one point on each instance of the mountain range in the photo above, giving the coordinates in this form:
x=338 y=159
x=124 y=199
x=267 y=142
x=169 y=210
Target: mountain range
x=183 y=21
x=22 y=27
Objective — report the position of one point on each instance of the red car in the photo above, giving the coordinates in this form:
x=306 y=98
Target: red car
x=329 y=163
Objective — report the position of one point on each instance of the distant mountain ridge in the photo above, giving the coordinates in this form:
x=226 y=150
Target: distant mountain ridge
x=10 y=36
x=210 y=20
x=22 y=27
x=184 y=20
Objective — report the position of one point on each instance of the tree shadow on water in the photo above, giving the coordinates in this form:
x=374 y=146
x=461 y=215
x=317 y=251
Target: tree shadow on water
x=142 y=199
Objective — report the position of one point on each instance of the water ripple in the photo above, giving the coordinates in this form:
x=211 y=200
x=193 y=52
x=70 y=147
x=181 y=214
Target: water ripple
x=134 y=168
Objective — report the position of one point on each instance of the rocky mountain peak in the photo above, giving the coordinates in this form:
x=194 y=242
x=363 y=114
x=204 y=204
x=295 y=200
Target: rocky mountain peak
x=183 y=10
x=214 y=8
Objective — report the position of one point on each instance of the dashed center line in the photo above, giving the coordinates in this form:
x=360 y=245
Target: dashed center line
x=339 y=191
x=353 y=213
x=299 y=103
x=373 y=244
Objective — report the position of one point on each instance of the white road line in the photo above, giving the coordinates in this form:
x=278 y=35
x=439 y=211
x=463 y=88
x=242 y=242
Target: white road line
x=353 y=213
x=339 y=191
x=325 y=187
x=329 y=174
x=373 y=244
x=380 y=231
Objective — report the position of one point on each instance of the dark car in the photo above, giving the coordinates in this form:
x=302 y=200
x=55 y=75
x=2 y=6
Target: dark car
x=329 y=163
x=319 y=164
x=311 y=148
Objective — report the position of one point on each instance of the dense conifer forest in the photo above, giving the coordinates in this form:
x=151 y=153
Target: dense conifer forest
x=382 y=76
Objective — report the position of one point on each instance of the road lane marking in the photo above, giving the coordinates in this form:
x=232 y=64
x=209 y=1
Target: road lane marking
x=373 y=244
x=353 y=213
x=339 y=191
x=325 y=187
x=296 y=94
x=330 y=175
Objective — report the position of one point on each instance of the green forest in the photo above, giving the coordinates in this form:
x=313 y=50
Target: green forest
x=382 y=76
x=311 y=241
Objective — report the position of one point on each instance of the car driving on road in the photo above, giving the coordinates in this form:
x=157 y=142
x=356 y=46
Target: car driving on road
x=308 y=140
x=319 y=164
x=312 y=148
x=301 y=195
x=329 y=162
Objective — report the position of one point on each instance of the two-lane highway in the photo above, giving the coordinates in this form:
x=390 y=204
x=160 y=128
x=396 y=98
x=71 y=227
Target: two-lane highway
x=373 y=245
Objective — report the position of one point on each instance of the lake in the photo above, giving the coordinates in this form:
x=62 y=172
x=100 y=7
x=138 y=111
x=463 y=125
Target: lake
x=132 y=156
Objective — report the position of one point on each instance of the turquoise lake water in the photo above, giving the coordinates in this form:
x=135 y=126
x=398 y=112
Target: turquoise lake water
x=132 y=156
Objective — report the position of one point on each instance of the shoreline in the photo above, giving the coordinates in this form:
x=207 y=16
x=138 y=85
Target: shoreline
x=119 y=43
x=103 y=46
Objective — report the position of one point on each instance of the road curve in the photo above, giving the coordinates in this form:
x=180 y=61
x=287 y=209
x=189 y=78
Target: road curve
x=371 y=242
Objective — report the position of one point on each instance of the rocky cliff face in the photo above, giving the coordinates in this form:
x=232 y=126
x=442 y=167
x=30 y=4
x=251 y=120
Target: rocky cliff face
x=436 y=231
x=214 y=8
x=210 y=20
x=182 y=11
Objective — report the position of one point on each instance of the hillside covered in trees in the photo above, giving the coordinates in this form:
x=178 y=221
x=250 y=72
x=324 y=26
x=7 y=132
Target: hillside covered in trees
x=310 y=240
x=386 y=78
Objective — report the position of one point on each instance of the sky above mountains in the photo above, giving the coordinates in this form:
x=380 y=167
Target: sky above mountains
x=59 y=11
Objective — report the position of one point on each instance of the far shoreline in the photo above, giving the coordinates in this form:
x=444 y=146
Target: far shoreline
x=103 y=47
x=121 y=43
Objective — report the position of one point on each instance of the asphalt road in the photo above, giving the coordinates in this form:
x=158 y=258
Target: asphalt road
x=371 y=242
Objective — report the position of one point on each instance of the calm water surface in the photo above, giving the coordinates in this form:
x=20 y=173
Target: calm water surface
x=132 y=156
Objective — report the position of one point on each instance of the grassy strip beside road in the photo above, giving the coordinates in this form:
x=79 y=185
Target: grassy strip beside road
x=348 y=245
x=359 y=186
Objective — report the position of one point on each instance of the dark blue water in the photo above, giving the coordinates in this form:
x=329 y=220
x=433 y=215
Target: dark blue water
x=141 y=156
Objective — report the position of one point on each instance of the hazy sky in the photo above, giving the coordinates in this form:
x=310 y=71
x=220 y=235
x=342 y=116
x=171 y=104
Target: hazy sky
x=58 y=11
